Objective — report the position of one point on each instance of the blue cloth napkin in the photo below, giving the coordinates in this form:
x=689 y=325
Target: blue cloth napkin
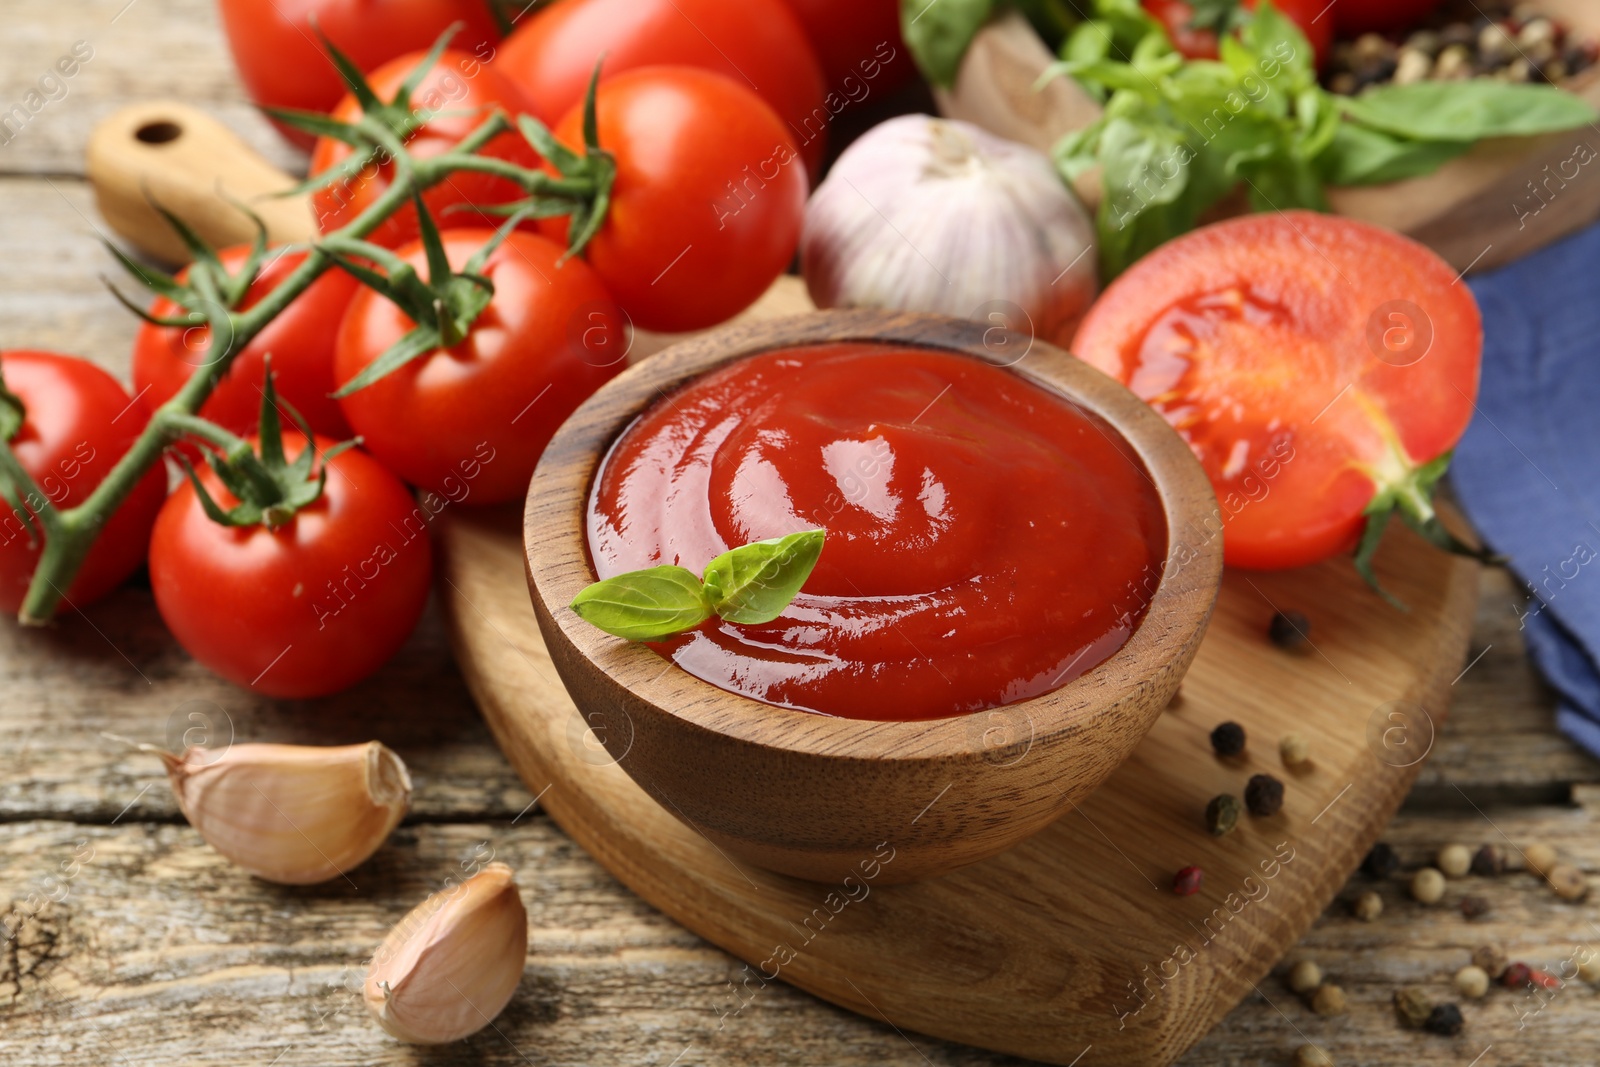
x=1527 y=473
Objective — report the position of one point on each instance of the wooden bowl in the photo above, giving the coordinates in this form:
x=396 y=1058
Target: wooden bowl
x=825 y=798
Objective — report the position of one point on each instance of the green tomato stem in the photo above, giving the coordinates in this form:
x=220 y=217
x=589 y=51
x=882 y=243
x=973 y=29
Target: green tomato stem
x=70 y=533
x=536 y=182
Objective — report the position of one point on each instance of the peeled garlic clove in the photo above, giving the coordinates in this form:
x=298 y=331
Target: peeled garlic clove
x=926 y=214
x=451 y=965
x=295 y=814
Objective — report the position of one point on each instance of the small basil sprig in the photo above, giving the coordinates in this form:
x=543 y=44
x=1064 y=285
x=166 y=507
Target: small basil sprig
x=750 y=584
x=1177 y=136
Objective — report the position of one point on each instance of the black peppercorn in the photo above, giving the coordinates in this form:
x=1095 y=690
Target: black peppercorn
x=1289 y=629
x=1473 y=905
x=1381 y=862
x=1444 y=1019
x=1263 y=795
x=1228 y=739
x=1488 y=860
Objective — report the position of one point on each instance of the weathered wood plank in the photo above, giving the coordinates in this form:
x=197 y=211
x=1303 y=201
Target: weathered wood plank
x=141 y=50
x=160 y=951
x=118 y=671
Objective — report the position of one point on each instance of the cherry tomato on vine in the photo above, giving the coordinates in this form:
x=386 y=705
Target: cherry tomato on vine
x=471 y=421
x=857 y=42
x=79 y=421
x=300 y=341
x=758 y=43
x=708 y=201
x=1316 y=365
x=465 y=90
x=1312 y=16
x=281 y=62
x=306 y=609
x=1355 y=17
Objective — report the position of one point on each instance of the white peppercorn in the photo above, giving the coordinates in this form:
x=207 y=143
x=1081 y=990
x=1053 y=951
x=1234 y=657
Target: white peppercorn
x=1539 y=857
x=1472 y=981
x=1305 y=976
x=1328 y=1000
x=1294 y=749
x=1311 y=1056
x=1568 y=882
x=1454 y=861
x=1427 y=886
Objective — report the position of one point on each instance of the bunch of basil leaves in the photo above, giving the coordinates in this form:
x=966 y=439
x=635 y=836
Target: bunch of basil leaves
x=1178 y=135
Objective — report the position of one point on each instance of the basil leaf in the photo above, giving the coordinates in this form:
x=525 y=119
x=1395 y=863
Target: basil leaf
x=755 y=582
x=1270 y=46
x=1156 y=185
x=645 y=605
x=1318 y=121
x=1467 y=110
x=938 y=32
x=1218 y=16
x=1079 y=151
x=1359 y=156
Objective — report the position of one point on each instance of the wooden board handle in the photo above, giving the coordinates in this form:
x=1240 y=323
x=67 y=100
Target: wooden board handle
x=185 y=160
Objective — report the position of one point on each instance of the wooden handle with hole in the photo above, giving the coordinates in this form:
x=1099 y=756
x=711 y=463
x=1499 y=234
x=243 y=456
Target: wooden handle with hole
x=189 y=163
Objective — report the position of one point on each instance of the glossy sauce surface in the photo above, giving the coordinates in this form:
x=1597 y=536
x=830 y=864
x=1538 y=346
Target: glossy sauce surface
x=987 y=540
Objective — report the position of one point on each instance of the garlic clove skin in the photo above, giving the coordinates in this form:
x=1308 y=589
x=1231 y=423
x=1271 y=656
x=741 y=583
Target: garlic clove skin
x=452 y=964
x=938 y=215
x=292 y=814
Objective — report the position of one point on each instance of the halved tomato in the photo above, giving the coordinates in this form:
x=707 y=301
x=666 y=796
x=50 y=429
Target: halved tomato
x=1320 y=368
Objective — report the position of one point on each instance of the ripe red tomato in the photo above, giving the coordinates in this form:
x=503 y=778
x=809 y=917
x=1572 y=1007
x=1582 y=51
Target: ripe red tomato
x=1312 y=16
x=758 y=43
x=309 y=608
x=470 y=422
x=1310 y=361
x=79 y=422
x=708 y=201
x=858 y=43
x=281 y=61
x=300 y=341
x=1353 y=17
x=466 y=91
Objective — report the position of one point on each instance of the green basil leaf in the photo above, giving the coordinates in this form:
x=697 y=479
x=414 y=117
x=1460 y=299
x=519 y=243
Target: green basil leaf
x=938 y=32
x=1273 y=49
x=1359 y=156
x=1318 y=121
x=1280 y=182
x=645 y=605
x=1467 y=110
x=1218 y=16
x=1156 y=186
x=1079 y=151
x=755 y=582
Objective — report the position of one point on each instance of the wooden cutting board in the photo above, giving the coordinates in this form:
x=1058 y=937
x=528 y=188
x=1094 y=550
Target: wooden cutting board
x=1070 y=948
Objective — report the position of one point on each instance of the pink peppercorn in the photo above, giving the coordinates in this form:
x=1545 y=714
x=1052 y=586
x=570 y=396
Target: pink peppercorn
x=1186 y=883
x=1544 y=979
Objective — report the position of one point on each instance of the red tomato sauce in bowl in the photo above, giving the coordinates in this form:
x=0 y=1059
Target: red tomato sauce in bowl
x=988 y=540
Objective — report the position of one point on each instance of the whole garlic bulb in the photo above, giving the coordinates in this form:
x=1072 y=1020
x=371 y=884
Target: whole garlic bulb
x=295 y=814
x=927 y=214
x=451 y=965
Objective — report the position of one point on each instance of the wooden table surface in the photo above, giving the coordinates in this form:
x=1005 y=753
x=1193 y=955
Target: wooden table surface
x=135 y=943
